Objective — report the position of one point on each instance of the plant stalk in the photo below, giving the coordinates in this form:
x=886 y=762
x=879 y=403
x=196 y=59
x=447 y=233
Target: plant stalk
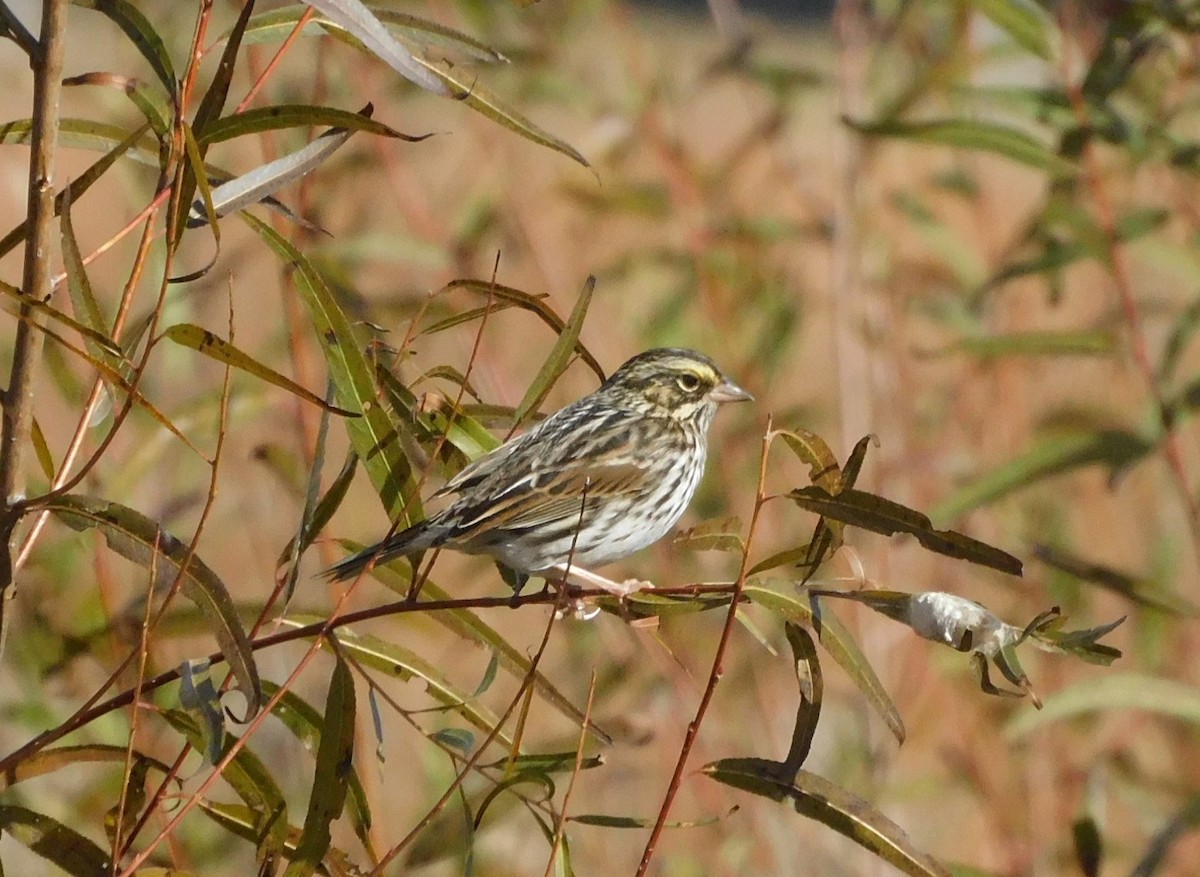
x=17 y=416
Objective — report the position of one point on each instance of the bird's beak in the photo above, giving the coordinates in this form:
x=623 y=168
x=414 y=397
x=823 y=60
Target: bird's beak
x=728 y=391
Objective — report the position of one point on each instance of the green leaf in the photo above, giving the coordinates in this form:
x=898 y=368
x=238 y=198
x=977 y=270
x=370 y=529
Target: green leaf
x=1110 y=693
x=722 y=534
x=200 y=699
x=367 y=29
x=78 y=185
x=322 y=512
x=1116 y=448
x=279 y=23
x=214 y=347
x=305 y=722
x=107 y=344
x=85 y=134
x=402 y=663
x=250 y=780
x=560 y=355
x=840 y=645
x=42 y=449
x=335 y=754
x=83 y=299
x=1072 y=343
x=374 y=435
x=1027 y=24
x=535 y=304
x=465 y=87
x=830 y=805
x=1182 y=332
x=974 y=135
x=880 y=515
x=808 y=709
x=274 y=118
x=52 y=760
x=811 y=450
x=141 y=33
x=142 y=541
x=1131 y=587
x=53 y=841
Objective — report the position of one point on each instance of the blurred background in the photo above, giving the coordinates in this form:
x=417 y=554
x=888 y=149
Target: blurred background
x=768 y=184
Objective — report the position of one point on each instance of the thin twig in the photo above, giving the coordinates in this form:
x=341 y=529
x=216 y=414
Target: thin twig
x=562 y=816
x=718 y=666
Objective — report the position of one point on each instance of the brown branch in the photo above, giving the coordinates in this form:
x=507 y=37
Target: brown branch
x=9 y=762
x=18 y=397
x=718 y=666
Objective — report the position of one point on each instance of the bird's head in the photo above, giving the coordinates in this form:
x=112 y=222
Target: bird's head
x=673 y=382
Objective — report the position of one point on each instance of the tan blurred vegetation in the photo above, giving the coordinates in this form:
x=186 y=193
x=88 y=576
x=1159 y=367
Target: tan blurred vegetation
x=834 y=275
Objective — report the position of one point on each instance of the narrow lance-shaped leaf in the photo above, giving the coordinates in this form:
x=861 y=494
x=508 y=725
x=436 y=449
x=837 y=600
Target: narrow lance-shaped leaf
x=560 y=354
x=141 y=33
x=83 y=299
x=53 y=841
x=306 y=723
x=535 y=304
x=274 y=118
x=335 y=754
x=466 y=88
x=1115 y=448
x=369 y=30
x=409 y=29
x=374 y=435
x=252 y=187
x=1025 y=22
x=880 y=515
x=214 y=347
x=976 y=135
x=828 y=804
x=208 y=112
x=79 y=184
x=838 y=643
x=138 y=538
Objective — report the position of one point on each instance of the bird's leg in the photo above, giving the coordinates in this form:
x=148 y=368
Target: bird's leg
x=586 y=578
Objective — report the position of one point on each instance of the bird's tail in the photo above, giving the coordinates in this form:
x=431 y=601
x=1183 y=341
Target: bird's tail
x=416 y=538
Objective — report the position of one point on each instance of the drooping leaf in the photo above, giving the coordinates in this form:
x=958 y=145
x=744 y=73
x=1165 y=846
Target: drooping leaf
x=305 y=722
x=560 y=354
x=402 y=663
x=409 y=29
x=142 y=541
x=1109 y=693
x=830 y=805
x=1026 y=23
x=1071 y=343
x=974 y=135
x=535 y=304
x=879 y=515
x=200 y=699
x=811 y=449
x=369 y=30
x=54 y=759
x=203 y=341
x=840 y=645
x=280 y=116
x=1115 y=448
x=141 y=33
x=335 y=754
x=374 y=435
x=53 y=841
x=464 y=86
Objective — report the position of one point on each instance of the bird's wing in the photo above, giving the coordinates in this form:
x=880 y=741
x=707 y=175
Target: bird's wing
x=551 y=496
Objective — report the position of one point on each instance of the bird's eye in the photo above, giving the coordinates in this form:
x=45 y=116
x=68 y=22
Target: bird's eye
x=689 y=383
